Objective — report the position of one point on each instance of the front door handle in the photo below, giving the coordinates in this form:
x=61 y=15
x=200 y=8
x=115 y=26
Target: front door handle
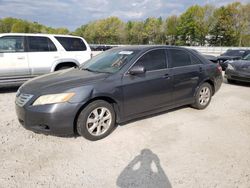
x=20 y=58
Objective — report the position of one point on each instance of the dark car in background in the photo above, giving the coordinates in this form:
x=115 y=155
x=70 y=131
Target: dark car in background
x=96 y=47
x=231 y=55
x=116 y=86
x=238 y=70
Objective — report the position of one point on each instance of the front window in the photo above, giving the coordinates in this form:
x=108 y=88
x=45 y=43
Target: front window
x=153 y=60
x=12 y=44
x=109 y=61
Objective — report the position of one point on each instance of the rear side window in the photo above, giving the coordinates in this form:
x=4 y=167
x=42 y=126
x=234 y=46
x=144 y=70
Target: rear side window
x=153 y=60
x=179 y=58
x=10 y=44
x=72 y=44
x=40 y=44
x=195 y=60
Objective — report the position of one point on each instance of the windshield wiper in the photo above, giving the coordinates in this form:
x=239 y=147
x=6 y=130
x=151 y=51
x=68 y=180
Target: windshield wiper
x=87 y=69
x=90 y=70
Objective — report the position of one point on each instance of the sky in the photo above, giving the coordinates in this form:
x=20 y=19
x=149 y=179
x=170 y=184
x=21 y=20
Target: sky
x=74 y=13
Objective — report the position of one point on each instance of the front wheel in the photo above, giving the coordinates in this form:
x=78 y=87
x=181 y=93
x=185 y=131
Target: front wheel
x=203 y=96
x=96 y=120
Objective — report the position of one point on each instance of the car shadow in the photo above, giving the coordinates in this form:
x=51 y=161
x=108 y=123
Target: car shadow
x=9 y=89
x=144 y=171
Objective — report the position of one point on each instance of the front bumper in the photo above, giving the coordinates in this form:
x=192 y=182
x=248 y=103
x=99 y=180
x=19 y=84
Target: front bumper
x=55 y=119
x=237 y=75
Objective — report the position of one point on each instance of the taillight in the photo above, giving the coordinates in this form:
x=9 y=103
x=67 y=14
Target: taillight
x=219 y=68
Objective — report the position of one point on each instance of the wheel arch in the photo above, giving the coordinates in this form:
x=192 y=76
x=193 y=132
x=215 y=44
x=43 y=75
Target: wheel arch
x=108 y=99
x=64 y=63
x=209 y=81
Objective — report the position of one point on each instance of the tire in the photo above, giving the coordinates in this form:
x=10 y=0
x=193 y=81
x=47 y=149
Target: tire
x=96 y=120
x=203 y=96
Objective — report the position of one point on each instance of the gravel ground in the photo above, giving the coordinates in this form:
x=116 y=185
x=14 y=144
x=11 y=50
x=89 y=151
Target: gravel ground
x=180 y=148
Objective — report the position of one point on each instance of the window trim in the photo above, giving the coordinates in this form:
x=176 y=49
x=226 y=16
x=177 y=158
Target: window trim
x=166 y=61
x=48 y=39
x=24 y=40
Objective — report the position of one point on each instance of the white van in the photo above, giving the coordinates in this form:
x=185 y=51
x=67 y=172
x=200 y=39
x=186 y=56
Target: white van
x=23 y=56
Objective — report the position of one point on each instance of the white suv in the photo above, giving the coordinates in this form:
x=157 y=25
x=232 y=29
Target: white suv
x=23 y=56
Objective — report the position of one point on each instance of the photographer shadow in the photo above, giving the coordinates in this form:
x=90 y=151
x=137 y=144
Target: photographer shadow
x=144 y=171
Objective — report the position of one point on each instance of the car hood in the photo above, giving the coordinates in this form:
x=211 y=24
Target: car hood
x=61 y=80
x=242 y=65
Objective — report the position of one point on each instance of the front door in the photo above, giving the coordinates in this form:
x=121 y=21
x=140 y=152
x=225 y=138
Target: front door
x=150 y=90
x=13 y=58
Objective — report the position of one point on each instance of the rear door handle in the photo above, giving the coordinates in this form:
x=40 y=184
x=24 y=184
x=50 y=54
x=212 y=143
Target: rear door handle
x=20 y=58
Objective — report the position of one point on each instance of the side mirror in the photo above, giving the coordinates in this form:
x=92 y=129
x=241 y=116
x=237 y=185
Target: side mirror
x=137 y=70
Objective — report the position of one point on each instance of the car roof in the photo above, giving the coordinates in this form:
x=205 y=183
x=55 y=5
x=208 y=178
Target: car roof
x=238 y=50
x=36 y=34
x=146 y=47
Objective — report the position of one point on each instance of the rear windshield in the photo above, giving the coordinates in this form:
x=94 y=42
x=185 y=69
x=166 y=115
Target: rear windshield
x=109 y=61
x=72 y=44
x=234 y=53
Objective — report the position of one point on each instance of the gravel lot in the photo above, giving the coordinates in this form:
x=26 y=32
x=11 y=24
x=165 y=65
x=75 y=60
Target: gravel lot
x=179 y=148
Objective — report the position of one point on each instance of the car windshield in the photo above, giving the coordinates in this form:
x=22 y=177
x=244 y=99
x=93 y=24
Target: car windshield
x=234 y=53
x=247 y=57
x=109 y=61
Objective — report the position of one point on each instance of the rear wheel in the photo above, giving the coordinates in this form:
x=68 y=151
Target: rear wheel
x=96 y=120
x=203 y=96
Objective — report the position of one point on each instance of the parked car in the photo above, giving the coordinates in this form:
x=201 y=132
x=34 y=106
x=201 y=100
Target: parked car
x=116 y=86
x=208 y=57
x=23 y=56
x=231 y=55
x=238 y=70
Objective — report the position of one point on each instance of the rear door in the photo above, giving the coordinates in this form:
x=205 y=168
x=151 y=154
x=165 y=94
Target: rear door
x=151 y=90
x=42 y=53
x=13 y=57
x=187 y=71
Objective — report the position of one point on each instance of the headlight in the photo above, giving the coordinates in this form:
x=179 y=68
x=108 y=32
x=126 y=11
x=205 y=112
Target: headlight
x=53 y=98
x=230 y=67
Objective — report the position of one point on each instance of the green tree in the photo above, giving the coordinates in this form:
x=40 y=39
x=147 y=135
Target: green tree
x=223 y=32
x=194 y=24
x=171 y=30
x=20 y=27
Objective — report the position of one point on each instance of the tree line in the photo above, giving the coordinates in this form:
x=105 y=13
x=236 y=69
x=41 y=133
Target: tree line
x=198 y=26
